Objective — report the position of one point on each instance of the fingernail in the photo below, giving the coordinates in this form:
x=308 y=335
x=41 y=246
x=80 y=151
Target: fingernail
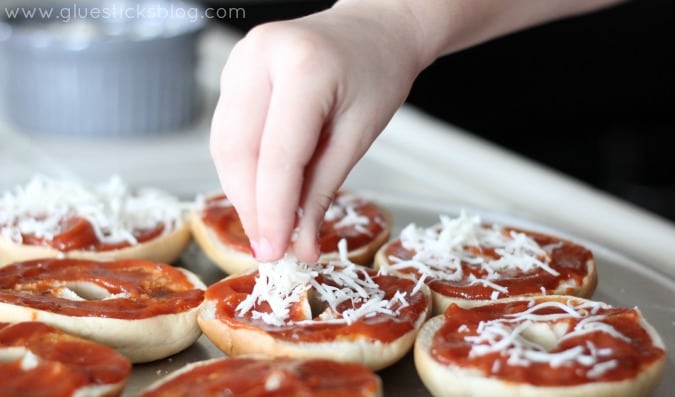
x=254 y=248
x=263 y=250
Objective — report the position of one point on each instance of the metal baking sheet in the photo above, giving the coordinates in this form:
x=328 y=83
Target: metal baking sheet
x=622 y=282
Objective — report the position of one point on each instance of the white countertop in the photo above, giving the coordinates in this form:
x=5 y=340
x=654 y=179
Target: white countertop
x=415 y=156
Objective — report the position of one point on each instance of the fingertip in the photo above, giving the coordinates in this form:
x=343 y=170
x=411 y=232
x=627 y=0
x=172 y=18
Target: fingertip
x=307 y=248
x=275 y=232
x=265 y=251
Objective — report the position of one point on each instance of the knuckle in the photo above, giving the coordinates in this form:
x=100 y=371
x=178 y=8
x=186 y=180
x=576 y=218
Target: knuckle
x=226 y=150
x=218 y=146
x=316 y=207
x=324 y=201
x=302 y=52
x=281 y=156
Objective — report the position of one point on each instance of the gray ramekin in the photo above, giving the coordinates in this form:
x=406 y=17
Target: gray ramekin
x=124 y=75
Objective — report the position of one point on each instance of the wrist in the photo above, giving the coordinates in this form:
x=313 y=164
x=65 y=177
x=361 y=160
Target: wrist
x=398 y=24
x=439 y=27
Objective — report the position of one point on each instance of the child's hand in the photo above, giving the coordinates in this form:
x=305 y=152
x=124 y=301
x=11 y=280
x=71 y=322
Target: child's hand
x=301 y=101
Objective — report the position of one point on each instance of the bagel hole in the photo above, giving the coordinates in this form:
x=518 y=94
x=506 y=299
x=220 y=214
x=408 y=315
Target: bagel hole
x=86 y=291
x=274 y=380
x=316 y=305
x=15 y=353
x=545 y=335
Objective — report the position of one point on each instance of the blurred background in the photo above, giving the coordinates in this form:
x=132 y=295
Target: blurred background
x=592 y=96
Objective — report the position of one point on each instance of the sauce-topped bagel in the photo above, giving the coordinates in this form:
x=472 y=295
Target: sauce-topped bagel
x=549 y=345
x=468 y=262
x=51 y=218
x=39 y=360
x=361 y=222
x=258 y=377
x=338 y=311
x=144 y=309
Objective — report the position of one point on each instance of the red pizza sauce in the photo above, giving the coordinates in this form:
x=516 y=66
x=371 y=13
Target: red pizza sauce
x=450 y=348
x=221 y=217
x=65 y=363
x=147 y=288
x=77 y=233
x=568 y=259
x=278 y=377
x=230 y=292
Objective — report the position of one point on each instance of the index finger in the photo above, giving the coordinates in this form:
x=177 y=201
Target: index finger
x=294 y=123
x=236 y=130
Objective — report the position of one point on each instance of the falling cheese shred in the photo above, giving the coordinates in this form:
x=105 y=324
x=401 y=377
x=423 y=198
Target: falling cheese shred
x=113 y=209
x=511 y=336
x=344 y=212
x=440 y=251
x=347 y=290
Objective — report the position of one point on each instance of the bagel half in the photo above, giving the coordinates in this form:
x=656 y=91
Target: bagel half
x=145 y=310
x=53 y=218
x=218 y=231
x=314 y=328
x=39 y=360
x=489 y=373
x=561 y=267
x=166 y=248
x=252 y=377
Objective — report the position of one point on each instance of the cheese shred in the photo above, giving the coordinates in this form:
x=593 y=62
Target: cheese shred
x=347 y=290
x=441 y=250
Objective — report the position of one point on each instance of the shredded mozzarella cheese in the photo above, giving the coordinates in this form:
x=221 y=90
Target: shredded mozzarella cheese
x=439 y=251
x=286 y=282
x=113 y=209
x=509 y=337
x=279 y=284
x=343 y=211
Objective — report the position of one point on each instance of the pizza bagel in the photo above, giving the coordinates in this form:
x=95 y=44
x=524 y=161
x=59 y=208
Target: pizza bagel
x=540 y=346
x=339 y=311
x=143 y=309
x=259 y=377
x=39 y=360
x=53 y=218
x=361 y=222
x=468 y=262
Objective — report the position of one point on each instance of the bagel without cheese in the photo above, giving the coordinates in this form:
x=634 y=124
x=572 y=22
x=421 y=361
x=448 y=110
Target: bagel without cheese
x=251 y=377
x=39 y=360
x=146 y=327
x=452 y=379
